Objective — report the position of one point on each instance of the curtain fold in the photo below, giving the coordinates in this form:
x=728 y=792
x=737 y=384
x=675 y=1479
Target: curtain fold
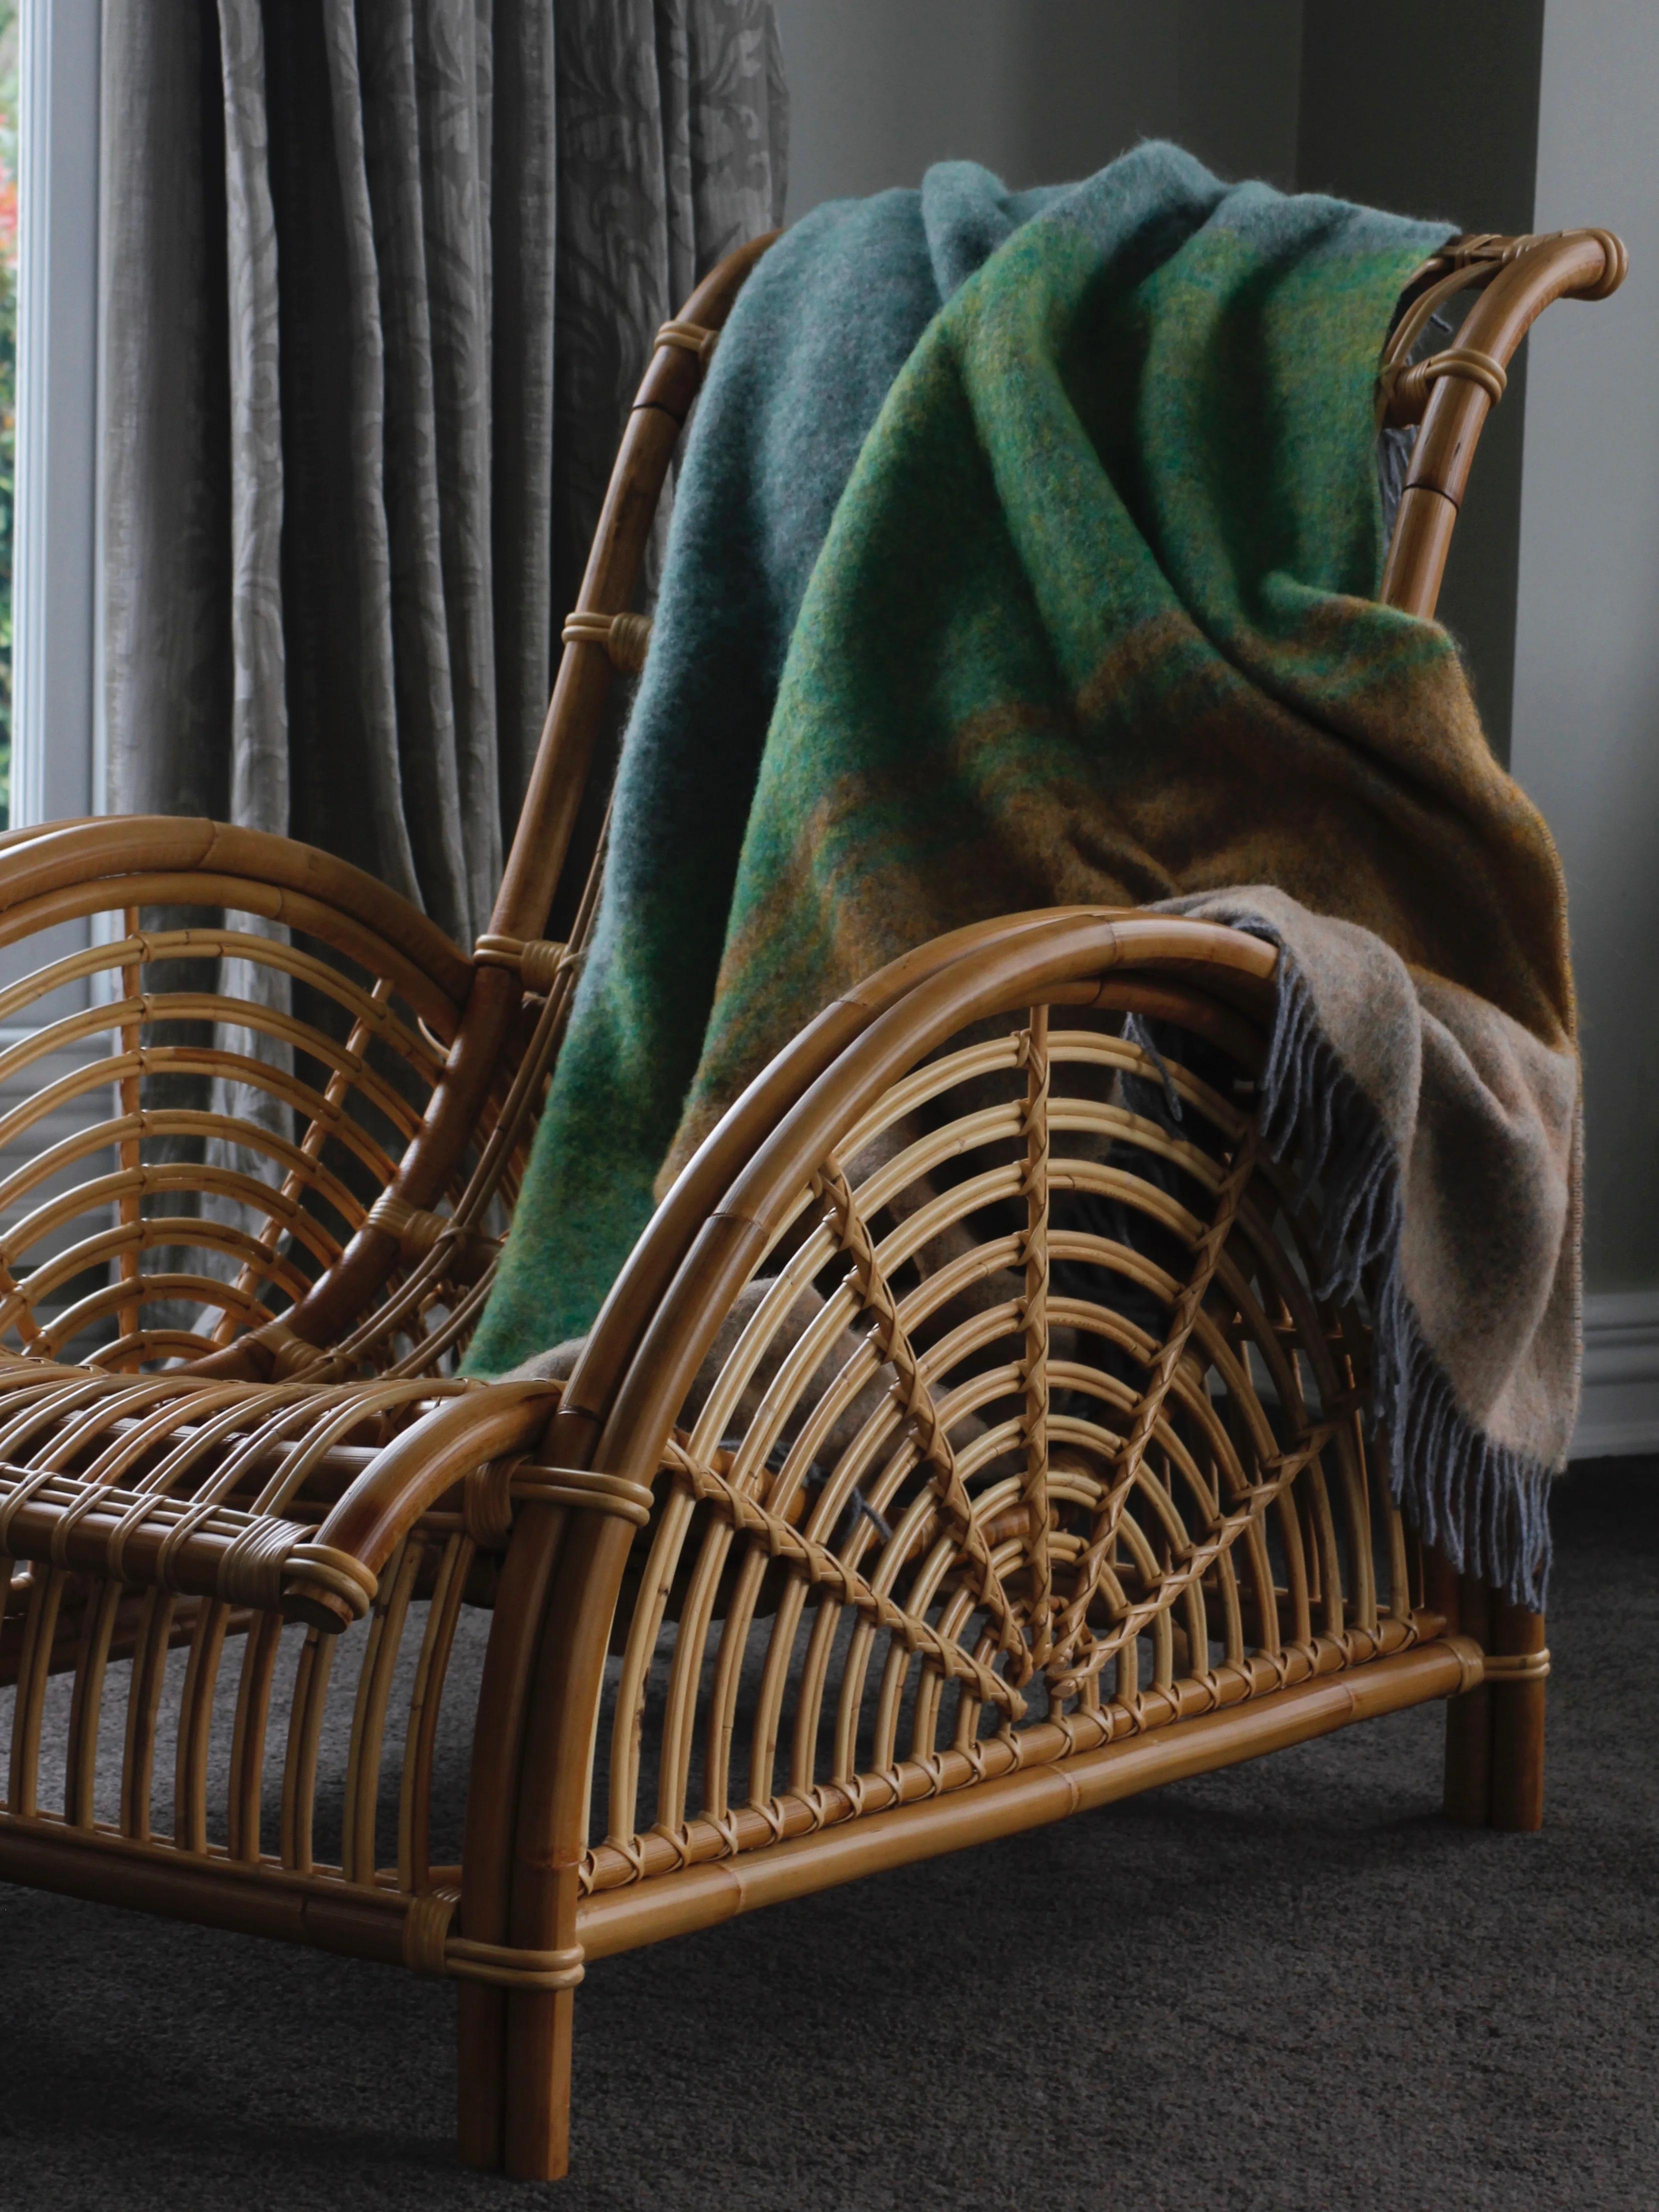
x=380 y=276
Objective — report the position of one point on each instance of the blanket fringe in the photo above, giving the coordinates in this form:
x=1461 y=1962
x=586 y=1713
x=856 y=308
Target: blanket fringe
x=1484 y=1504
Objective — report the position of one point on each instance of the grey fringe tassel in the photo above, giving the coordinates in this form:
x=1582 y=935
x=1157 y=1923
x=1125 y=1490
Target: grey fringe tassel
x=1483 y=1505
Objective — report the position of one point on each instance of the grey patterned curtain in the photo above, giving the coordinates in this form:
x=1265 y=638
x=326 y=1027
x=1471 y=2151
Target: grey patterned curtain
x=380 y=278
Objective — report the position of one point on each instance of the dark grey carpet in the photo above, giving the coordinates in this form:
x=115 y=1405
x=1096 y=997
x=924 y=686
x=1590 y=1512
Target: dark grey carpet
x=1291 y=1986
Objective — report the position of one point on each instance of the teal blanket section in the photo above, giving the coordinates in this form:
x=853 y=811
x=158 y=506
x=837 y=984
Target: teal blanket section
x=818 y=334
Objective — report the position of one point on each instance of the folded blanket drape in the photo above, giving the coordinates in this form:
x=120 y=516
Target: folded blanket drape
x=1074 y=572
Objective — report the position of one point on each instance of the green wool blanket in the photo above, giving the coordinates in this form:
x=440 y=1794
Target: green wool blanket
x=1024 y=556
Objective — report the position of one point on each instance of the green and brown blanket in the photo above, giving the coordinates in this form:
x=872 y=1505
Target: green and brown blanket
x=1024 y=555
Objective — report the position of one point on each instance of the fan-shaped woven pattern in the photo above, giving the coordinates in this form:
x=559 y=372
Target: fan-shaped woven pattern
x=198 y=1107
x=1028 y=1431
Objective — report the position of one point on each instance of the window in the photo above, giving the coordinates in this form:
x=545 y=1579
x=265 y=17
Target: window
x=49 y=53
x=49 y=66
x=8 y=375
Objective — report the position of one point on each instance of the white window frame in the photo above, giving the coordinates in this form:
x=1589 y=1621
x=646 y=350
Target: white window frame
x=55 y=765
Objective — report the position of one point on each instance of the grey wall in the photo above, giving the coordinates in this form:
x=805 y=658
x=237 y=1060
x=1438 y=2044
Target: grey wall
x=1587 y=652
x=1458 y=140
x=1039 y=90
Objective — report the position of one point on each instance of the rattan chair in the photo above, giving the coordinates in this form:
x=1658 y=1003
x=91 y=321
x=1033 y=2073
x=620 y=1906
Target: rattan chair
x=762 y=1615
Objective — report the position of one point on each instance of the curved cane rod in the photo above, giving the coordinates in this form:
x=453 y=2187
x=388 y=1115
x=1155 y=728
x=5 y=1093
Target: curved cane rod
x=370 y=1520
x=673 y=379
x=1458 y=389
x=428 y=972
x=73 y=856
x=403 y=1308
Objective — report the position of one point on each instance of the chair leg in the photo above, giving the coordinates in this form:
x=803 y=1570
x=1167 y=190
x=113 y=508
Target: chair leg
x=538 y=2135
x=1468 y=1719
x=481 y=2019
x=1518 y=1720
x=1494 y=1735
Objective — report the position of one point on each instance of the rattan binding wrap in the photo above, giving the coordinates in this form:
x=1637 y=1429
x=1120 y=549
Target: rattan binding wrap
x=690 y=337
x=624 y=637
x=539 y=963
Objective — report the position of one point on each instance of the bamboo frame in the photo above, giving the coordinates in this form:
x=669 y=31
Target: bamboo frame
x=960 y=1447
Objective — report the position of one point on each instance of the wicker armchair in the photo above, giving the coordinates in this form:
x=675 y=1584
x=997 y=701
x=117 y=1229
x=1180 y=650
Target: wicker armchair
x=263 y=1129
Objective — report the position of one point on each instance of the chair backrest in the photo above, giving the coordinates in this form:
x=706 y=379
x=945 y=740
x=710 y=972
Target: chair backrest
x=1448 y=396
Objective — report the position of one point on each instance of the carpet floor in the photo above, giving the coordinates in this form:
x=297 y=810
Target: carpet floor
x=1291 y=1986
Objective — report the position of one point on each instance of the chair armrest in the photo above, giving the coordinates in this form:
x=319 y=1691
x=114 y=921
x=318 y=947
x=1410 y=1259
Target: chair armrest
x=147 y=1539
x=326 y=1575
x=483 y=1429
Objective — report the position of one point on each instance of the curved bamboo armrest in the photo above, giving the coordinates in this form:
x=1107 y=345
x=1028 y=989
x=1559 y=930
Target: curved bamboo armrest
x=147 y=1539
x=476 y=1439
x=326 y=1575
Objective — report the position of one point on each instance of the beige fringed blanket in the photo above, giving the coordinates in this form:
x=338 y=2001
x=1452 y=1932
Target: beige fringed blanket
x=1441 y=1139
